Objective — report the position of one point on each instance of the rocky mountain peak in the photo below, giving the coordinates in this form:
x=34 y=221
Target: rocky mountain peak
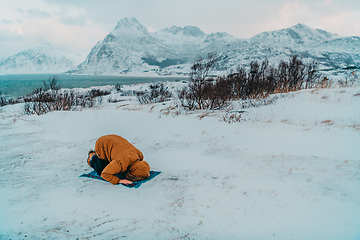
x=129 y=25
x=174 y=29
x=312 y=34
x=193 y=31
x=299 y=34
x=187 y=31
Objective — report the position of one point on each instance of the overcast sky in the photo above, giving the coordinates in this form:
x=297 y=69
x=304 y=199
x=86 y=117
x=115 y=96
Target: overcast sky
x=77 y=25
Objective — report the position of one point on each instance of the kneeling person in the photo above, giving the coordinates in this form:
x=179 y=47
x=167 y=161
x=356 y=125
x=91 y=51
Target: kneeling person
x=114 y=154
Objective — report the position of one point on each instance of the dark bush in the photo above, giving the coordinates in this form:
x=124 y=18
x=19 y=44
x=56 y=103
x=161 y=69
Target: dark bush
x=43 y=101
x=259 y=81
x=199 y=93
x=5 y=100
x=98 y=93
x=158 y=93
x=118 y=87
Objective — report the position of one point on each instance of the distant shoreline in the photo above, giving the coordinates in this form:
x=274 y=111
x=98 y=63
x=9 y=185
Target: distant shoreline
x=16 y=85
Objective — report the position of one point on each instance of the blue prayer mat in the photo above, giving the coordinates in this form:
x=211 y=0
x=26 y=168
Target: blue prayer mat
x=94 y=175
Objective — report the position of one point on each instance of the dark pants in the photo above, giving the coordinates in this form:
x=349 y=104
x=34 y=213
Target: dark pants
x=98 y=164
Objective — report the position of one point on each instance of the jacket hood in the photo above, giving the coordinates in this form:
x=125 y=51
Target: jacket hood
x=140 y=169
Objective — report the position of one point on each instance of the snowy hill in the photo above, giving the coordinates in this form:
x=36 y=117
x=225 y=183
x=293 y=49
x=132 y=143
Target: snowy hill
x=43 y=58
x=288 y=170
x=131 y=49
x=329 y=50
x=295 y=37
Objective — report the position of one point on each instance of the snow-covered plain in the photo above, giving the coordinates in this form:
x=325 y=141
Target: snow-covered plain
x=288 y=170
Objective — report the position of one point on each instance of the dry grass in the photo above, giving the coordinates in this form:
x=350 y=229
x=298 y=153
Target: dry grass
x=206 y=114
x=123 y=105
x=152 y=108
x=324 y=83
x=174 y=110
x=355 y=126
x=315 y=91
x=327 y=122
x=231 y=117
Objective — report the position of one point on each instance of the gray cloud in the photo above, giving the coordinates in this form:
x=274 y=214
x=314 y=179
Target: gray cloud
x=79 y=21
x=241 y=18
x=8 y=36
x=6 y=21
x=34 y=12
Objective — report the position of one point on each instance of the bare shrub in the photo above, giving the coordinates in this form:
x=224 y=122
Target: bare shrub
x=128 y=93
x=118 y=87
x=158 y=93
x=98 y=93
x=187 y=98
x=324 y=83
x=233 y=116
x=350 y=80
x=42 y=101
x=312 y=74
x=343 y=83
x=110 y=100
x=172 y=109
x=6 y=100
x=143 y=97
x=3 y=100
x=261 y=80
x=199 y=93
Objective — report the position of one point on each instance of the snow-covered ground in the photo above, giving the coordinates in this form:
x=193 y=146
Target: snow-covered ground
x=287 y=170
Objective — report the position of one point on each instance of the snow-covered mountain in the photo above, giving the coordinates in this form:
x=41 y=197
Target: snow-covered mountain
x=131 y=49
x=294 y=37
x=43 y=58
x=128 y=48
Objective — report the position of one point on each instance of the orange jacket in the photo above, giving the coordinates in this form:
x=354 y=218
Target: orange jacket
x=121 y=156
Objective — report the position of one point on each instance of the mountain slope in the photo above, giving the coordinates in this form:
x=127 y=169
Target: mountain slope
x=131 y=49
x=43 y=58
x=296 y=36
x=124 y=49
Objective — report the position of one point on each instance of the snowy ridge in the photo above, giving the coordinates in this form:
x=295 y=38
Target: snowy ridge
x=296 y=36
x=134 y=50
x=43 y=58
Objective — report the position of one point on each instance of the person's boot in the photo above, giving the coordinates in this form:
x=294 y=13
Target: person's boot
x=97 y=164
x=90 y=154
